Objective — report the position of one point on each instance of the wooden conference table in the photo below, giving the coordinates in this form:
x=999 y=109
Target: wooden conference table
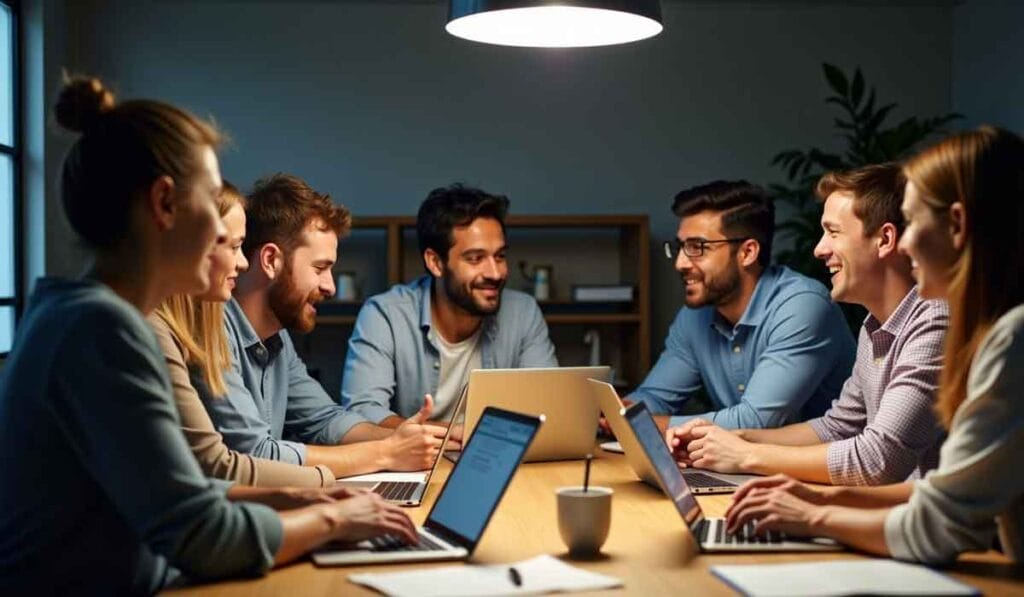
x=648 y=546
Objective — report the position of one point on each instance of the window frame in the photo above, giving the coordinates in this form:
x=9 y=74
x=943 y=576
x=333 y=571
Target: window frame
x=15 y=152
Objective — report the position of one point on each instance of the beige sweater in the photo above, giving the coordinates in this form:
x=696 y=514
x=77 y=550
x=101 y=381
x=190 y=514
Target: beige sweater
x=215 y=458
x=979 y=484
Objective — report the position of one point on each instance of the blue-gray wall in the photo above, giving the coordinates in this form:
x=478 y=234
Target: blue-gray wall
x=375 y=103
x=988 y=54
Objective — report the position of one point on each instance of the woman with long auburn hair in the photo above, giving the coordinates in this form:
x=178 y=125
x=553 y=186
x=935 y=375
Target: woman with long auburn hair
x=964 y=209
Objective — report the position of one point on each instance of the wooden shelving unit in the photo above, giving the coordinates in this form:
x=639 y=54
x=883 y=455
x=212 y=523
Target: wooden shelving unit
x=584 y=249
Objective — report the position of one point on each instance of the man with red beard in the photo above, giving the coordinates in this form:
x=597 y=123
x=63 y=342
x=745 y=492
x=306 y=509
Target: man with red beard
x=765 y=344
x=425 y=337
x=273 y=408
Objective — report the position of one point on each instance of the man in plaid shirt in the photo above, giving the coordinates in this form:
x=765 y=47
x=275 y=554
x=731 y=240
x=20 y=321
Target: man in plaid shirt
x=882 y=428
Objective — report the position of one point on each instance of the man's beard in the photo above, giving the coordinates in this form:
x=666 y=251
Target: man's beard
x=463 y=298
x=717 y=290
x=289 y=305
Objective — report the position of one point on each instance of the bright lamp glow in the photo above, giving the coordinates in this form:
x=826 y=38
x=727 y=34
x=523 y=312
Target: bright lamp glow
x=554 y=27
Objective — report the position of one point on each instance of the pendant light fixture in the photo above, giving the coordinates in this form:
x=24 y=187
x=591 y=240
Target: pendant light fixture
x=554 y=23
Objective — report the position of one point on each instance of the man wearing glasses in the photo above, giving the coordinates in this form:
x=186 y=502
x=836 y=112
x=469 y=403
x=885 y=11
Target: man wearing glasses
x=883 y=428
x=765 y=344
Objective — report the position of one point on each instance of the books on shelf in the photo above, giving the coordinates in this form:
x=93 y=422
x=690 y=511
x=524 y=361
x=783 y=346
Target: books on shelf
x=602 y=293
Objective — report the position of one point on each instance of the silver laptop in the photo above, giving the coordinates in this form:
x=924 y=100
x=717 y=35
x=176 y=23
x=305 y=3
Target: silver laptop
x=562 y=394
x=404 y=489
x=700 y=481
x=466 y=503
x=709 y=533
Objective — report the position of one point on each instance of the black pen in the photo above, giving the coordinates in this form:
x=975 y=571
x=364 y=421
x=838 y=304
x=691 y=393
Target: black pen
x=513 y=575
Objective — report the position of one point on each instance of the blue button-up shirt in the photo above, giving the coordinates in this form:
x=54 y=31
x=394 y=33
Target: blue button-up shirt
x=271 y=397
x=393 y=359
x=784 y=361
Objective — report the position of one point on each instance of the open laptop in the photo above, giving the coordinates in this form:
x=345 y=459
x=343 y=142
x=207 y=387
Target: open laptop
x=709 y=533
x=562 y=394
x=700 y=481
x=404 y=489
x=466 y=502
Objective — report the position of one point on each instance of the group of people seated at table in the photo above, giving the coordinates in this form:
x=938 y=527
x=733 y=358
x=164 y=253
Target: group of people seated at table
x=157 y=425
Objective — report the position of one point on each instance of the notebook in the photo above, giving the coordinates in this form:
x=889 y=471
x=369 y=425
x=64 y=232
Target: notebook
x=854 y=577
x=541 y=574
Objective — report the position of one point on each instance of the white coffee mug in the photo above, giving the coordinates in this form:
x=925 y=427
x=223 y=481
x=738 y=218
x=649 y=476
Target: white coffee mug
x=584 y=518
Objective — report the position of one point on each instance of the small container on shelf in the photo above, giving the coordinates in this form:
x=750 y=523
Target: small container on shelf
x=603 y=293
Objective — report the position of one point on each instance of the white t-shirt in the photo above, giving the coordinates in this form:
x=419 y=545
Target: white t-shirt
x=457 y=360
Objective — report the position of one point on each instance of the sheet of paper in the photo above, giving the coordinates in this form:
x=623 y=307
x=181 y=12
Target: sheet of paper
x=613 y=447
x=542 y=574
x=417 y=476
x=853 y=577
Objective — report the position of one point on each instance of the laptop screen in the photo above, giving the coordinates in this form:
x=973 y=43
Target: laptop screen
x=482 y=473
x=672 y=481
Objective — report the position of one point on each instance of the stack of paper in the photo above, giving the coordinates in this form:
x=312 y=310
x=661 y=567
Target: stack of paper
x=541 y=574
x=841 y=578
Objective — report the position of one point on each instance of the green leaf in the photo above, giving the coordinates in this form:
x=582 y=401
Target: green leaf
x=844 y=125
x=839 y=101
x=826 y=161
x=785 y=157
x=877 y=119
x=857 y=89
x=794 y=167
x=869 y=107
x=836 y=79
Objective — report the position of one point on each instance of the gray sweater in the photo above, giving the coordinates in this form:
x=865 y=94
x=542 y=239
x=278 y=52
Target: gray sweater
x=100 y=492
x=979 y=485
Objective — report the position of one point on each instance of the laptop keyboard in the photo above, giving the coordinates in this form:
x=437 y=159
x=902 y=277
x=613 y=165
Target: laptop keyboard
x=390 y=543
x=702 y=480
x=398 y=491
x=712 y=532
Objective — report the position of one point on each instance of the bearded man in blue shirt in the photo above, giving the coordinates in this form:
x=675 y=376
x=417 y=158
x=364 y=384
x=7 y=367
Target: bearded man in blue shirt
x=425 y=337
x=766 y=345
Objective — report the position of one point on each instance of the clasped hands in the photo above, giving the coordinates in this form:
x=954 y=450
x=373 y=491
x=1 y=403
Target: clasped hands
x=700 y=443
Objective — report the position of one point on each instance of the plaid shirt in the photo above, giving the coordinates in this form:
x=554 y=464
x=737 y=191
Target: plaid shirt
x=883 y=428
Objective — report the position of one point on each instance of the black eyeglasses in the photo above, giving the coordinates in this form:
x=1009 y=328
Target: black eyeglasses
x=693 y=247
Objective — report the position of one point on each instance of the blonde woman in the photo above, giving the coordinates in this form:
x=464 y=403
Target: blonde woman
x=964 y=210
x=191 y=334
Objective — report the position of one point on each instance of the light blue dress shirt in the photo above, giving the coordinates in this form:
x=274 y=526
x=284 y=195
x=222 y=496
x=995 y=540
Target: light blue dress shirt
x=271 y=397
x=784 y=361
x=393 y=358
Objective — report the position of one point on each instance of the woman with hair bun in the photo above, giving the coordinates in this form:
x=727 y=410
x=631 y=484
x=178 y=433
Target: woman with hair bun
x=100 y=491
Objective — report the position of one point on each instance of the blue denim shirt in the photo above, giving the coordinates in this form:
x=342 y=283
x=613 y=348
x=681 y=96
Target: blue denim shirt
x=271 y=397
x=393 y=358
x=784 y=361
